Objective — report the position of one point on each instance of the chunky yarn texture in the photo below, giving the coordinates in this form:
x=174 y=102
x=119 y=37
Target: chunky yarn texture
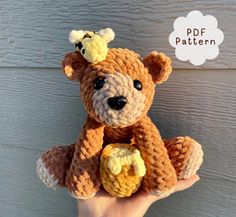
x=121 y=169
x=117 y=94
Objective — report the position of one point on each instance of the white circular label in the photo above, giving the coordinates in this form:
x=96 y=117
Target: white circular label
x=196 y=38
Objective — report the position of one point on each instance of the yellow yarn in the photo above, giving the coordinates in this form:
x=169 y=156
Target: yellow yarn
x=121 y=169
x=95 y=49
x=92 y=45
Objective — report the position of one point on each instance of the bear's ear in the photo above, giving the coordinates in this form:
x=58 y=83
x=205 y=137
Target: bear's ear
x=159 y=66
x=74 y=65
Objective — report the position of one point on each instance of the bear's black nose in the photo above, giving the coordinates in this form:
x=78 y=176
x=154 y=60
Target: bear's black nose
x=117 y=102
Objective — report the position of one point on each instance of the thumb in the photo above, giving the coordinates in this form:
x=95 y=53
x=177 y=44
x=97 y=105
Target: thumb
x=181 y=185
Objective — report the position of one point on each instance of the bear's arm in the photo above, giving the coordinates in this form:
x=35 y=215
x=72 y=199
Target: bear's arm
x=82 y=178
x=160 y=174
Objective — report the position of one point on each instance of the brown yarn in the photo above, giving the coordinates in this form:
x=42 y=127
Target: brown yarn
x=179 y=150
x=178 y=157
x=160 y=174
x=159 y=65
x=83 y=176
x=119 y=60
x=57 y=160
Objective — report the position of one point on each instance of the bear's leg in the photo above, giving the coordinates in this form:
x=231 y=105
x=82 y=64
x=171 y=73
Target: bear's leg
x=53 y=164
x=186 y=155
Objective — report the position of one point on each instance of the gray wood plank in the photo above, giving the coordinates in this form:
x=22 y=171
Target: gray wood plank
x=22 y=193
x=38 y=108
x=34 y=33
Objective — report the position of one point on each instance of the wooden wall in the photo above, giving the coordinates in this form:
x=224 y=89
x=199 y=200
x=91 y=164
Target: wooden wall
x=39 y=107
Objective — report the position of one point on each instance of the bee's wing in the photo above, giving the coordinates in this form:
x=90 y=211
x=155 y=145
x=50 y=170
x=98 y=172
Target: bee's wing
x=76 y=36
x=107 y=34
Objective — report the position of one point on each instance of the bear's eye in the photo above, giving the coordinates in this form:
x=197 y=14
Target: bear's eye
x=98 y=83
x=138 y=85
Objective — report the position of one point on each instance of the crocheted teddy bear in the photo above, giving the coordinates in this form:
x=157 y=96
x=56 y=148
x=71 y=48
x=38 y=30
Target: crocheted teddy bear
x=117 y=94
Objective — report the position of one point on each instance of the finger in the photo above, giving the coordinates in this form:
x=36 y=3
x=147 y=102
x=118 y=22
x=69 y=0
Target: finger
x=180 y=186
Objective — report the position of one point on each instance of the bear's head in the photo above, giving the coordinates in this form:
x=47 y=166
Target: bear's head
x=119 y=90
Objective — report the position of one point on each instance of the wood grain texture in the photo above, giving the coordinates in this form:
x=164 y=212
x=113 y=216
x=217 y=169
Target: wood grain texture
x=34 y=33
x=40 y=108
x=38 y=103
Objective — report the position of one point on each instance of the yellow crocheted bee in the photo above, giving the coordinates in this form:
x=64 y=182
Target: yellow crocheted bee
x=121 y=169
x=92 y=45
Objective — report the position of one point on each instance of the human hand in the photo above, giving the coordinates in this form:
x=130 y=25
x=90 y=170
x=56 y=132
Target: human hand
x=105 y=205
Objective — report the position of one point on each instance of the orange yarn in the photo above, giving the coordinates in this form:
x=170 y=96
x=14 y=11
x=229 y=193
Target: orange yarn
x=165 y=161
x=58 y=159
